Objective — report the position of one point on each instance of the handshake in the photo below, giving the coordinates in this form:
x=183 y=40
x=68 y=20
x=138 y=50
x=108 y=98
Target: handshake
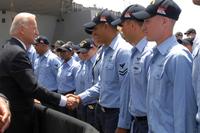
x=73 y=101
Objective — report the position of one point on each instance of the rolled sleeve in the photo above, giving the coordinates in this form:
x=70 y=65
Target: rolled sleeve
x=90 y=94
x=124 y=115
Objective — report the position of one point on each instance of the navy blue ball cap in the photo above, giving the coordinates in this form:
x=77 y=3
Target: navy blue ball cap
x=104 y=16
x=75 y=46
x=67 y=47
x=88 y=30
x=41 y=40
x=85 y=45
x=166 y=8
x=129 y=13
x=59 y=43
x=190 y=30
x=179 y=34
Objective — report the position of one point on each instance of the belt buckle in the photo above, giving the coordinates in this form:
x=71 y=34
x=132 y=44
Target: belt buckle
x=102 y=109
x=91 y=107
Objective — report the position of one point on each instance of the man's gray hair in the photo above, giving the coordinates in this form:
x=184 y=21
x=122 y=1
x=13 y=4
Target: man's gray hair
x=21 y=19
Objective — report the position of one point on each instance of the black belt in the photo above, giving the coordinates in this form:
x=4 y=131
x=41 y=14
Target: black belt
x=105 y=109
x=140 y=118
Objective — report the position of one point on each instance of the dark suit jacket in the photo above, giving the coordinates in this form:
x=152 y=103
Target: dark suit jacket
x=64 y=123
x=19 y=85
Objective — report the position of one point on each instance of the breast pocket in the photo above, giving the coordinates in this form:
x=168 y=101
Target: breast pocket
x=137 y=68
x=68 y=76
x=68 y=73
x=109 y=66
x=109 y=73
x=158 y=72
x=44 y=63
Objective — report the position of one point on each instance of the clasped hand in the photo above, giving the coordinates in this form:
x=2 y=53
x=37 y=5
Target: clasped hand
x=73 y=101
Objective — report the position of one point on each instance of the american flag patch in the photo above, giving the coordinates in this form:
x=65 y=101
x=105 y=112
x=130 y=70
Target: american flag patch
x=161 y=10
x=103 y=19
x=41 y=41
x=127 y=15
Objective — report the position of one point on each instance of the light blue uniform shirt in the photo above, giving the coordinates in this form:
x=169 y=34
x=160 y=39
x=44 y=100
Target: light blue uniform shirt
x=133 y=98
x=171 y=105
x=32 y=54
x=96 y=67
x=46 y=69
x=66 y=76
x=88 y=75
x=196 y=42
x=196 y=80
x=76 y=58
x=112 y=71
x=80 y=78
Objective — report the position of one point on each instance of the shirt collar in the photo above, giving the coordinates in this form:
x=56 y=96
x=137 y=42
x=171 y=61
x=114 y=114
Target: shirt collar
x=114 y=42
x=141 y=44
x=93 y=59
x=69 y=62
x=20 y=42
x=31 y=49
x=47 y=53
x=196 y=40
x=165 y=46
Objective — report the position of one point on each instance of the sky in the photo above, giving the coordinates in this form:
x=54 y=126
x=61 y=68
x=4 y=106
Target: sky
x=187 y=19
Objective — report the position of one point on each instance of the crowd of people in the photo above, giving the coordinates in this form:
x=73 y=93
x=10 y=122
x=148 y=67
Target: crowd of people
x=191 y=40
x=139 y=78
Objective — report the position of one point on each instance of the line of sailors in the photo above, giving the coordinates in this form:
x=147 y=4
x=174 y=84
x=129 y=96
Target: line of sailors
x=126 y=86
x=67 y=69
x=191 y=40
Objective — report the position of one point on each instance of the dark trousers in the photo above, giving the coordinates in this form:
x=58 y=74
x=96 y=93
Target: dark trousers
x=90 y=118
x=106 y=119
x=82 y=112
x=140 y=125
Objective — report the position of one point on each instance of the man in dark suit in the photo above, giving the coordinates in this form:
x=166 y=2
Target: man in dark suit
x=17 y=80
x=4 y=113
